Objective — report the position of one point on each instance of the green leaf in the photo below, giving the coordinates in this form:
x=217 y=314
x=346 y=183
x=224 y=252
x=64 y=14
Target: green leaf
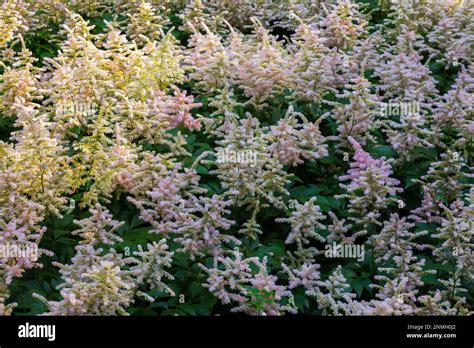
x=384 y=150
x=66 y=241
x=196 y=288
x=328 y=159
x=136 y=221
x=187 y=308
x=304 y=191
x=358 y=287
x=301 y=301
x=443 y=267
x=295 y=178
x=159 y=305
x=59 y=233
x=430 y=279
x=201 y=169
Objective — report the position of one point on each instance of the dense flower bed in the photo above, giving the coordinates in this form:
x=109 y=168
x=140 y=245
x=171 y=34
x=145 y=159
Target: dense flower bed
x=264 y=157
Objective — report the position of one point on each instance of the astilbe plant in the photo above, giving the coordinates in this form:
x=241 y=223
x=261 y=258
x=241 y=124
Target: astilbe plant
x=293 y=142
x=19 y=84
x=421 y=16
x=98 y=228
x=209 y=61
x=311 y=71
x=95 y=283
x=396 y=237
x=333 y=295
x=303 y=221
x=370 y=189
x=456 y=234
x=145 y=20
x=41 y=167
x=256 y=182
x=301 y=267
x=402 y=275
x=14 y=18
x=176 y=207
x=196 y=12
x=19 y=227
x=414 y=88
x=262 y=69
x=105 y=282
x=101 y=162
x=441 y=186
x=151 y=268
x=356 y=118
x=342 y=24
x=451 y=39
x=453 y=111
x=253 y=292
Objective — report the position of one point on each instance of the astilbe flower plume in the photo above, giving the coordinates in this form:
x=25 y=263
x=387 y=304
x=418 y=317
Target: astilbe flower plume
x=40 y=165
x=102 y=162
x=238 y=284
x=333 y=295
x=441 y=186
x=95 y=283
x=98 y=228
x=342 y=24
x=195 y=13
x=14 y=16
x=176 y=209
x=23 y=235
x=307 y=276
x=292 y=141
x=356 y=118
x=400 y=277
x=339 y=229
x=255 y=184
x=262 y=69
x=311 y=74
x=405 y=80
x=304 y=220
x=453 y=110
x=396 y=237
x=146 y=20
x=153 y=261
x=209 y=62
x=371 y=187
x=456 y=235
x=19 y=84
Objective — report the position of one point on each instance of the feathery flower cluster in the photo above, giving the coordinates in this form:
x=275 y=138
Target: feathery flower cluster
x=356 y=118
x=253 y=185
x=175 y=206
x=94 y=284
x=14 y=17
x=303 y=221
x=370 y=189
x=100 y=282
x=293 y=141
x=152 y=264
x=252 y=292
x=99 y=228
